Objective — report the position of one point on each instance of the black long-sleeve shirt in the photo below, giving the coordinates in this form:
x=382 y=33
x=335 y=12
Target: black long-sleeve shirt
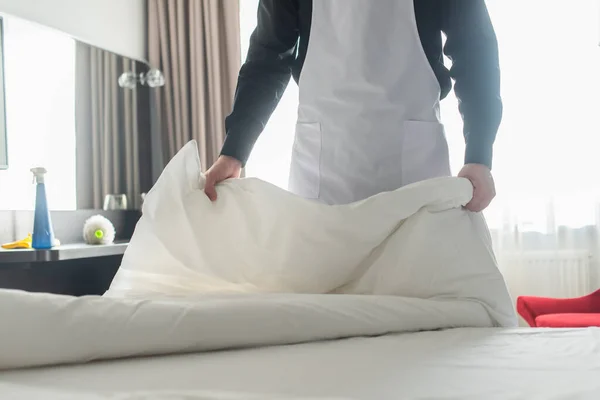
x=280 y=41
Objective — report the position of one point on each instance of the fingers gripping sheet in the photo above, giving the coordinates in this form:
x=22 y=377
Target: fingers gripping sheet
x=414 y=242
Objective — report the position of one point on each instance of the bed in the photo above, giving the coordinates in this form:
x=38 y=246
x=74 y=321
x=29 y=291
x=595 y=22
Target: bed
x=451 y=364
x=264 y=295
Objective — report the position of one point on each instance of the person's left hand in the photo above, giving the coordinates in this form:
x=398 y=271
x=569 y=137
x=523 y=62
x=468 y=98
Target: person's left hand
x=484 y=189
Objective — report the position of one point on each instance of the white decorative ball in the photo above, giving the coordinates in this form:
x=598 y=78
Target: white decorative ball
x=98 y=230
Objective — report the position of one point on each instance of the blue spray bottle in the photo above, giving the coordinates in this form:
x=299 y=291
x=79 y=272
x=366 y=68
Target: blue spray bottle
x=43 y=235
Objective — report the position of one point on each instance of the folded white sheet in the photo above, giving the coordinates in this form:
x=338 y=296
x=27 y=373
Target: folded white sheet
x=45 y=329
x=264 y=267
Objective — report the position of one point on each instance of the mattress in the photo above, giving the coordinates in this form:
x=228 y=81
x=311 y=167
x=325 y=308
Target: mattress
x=471 y=363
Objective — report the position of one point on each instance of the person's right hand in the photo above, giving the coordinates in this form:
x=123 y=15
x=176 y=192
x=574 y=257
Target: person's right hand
x=224 y=168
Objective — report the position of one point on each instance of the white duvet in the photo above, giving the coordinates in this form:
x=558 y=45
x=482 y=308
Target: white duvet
x=263 y=267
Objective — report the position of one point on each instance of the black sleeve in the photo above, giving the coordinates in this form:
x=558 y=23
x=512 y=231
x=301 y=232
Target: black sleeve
x=263 y=77
x=472 y=46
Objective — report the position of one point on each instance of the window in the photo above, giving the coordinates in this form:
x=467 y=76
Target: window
x=40 y=115
x=272 y=154
x=546 y=155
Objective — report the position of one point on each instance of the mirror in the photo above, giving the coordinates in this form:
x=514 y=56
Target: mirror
x=37 y=72
x=50 y=82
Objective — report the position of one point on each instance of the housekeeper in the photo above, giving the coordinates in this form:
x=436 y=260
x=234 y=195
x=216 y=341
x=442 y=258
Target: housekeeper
x=370 y=76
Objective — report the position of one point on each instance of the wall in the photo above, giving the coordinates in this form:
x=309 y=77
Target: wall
x=115 y=25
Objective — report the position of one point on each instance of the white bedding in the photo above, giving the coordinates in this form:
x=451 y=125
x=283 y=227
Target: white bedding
x=460 y=364
x=264 y=267
x=414 y=242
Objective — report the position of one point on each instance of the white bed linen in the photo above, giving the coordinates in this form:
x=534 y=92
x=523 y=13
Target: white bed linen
x=414 y=242
x=260 y=267
x=43 y=329
x=460 y=364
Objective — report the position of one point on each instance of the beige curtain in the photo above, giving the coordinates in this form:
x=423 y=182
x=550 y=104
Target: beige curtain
x=196 y=44
x=113 y=137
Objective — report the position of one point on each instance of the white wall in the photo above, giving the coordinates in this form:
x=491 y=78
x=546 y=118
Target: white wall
x=115 y=25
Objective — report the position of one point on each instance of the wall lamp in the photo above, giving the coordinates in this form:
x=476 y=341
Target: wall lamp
x=152 y=78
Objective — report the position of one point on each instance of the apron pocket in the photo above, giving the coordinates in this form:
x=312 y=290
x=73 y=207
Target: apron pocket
x=424 y=152
x=305 y=168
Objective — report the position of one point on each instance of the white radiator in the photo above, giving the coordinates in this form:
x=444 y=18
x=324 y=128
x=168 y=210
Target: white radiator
x=560 y=274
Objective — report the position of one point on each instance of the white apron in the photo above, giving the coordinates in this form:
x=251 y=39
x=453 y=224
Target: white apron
x=368 y=119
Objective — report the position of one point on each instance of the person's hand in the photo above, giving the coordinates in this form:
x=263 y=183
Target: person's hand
x=484 y=189
x=224 y=168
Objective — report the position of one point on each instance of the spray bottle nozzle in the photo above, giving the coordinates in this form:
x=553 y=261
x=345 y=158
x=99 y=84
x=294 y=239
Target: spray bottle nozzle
x=38 y=174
